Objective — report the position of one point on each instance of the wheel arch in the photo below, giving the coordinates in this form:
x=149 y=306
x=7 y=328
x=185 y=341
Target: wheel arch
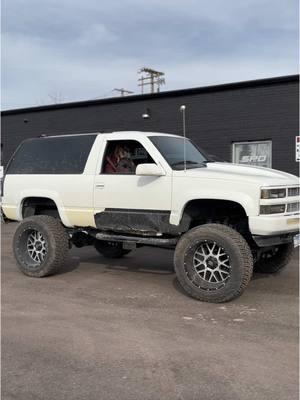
x=42 y=205
x=211 y=210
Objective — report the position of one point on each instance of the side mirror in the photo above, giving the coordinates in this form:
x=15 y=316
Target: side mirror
x=149 y=170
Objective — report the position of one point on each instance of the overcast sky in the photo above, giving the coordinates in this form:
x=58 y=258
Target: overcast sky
x=82 y=49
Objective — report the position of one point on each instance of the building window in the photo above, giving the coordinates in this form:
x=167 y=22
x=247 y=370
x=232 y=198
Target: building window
x=253 y=153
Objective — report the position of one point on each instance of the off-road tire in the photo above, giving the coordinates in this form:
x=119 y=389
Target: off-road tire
x=274 y=263
x=56 y=241
x=239 y=256
x=110 y=249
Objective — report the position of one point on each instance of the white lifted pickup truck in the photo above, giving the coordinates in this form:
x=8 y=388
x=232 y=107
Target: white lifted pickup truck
x=123 y=190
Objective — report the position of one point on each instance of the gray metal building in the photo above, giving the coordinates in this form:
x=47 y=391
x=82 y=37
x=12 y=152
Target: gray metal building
x=249 y=122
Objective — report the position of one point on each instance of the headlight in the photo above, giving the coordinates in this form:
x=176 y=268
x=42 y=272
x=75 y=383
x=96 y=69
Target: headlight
x=272 y=209
x=273 y=193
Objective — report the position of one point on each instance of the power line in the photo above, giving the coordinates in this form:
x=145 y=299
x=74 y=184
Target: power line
x=103 y=95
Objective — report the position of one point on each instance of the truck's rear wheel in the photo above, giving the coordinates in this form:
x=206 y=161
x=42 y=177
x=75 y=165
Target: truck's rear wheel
x=274 y=259
x=110 y=249
x=40 y=245
x=213 y=263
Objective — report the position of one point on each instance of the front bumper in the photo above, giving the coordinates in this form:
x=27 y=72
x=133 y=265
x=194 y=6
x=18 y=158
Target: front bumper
x=271 y=225
x=272 y=230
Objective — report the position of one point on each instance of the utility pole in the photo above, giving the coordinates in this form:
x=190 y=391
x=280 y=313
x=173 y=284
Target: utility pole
x=123 y=91
x=152 y=78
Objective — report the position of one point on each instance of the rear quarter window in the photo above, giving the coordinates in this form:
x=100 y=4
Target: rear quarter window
x=55 y=155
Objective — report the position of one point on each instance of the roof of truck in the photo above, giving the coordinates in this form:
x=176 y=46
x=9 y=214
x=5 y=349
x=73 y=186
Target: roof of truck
x=129 y=134
x=117 y=134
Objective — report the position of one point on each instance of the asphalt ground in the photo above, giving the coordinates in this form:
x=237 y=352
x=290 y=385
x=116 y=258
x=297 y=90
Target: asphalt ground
x=123 y=329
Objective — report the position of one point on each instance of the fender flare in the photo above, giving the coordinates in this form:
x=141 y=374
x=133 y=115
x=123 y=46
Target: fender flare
x=44 y=194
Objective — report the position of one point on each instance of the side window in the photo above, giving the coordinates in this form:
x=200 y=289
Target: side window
x=123 y=156
x=52 y=155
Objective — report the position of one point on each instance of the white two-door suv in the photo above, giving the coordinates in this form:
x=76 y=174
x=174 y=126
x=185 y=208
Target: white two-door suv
x=122 y=190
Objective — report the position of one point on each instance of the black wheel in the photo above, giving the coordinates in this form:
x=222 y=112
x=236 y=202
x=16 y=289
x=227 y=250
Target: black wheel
x=274 y=259
x=110 y=249
x=40 y=245
x=213 y=263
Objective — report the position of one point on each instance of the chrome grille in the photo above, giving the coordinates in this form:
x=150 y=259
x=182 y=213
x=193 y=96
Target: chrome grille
x=292 y=207
x=293 y=191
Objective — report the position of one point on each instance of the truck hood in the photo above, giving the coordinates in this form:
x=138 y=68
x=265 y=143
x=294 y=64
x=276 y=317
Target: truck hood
x=237 y=172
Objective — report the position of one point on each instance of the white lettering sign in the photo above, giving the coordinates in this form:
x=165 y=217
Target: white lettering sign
x=253 y=159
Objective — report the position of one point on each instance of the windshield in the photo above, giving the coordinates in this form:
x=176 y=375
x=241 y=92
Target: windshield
x=172 y=149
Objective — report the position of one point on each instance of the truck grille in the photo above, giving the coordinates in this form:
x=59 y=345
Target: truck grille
x=293 y=191
x=292 y=207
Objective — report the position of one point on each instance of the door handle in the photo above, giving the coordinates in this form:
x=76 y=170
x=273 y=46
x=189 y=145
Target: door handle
x=100 y=185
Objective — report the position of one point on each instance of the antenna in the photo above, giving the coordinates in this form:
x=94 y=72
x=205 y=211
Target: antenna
x=182 y=109
x=123 y=91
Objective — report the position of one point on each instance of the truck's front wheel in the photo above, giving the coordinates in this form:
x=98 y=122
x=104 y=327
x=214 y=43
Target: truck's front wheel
x=274 y=259
x=213 y=263
x=40 y=245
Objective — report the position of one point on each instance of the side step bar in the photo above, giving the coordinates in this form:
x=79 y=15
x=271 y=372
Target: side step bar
x=151 y=241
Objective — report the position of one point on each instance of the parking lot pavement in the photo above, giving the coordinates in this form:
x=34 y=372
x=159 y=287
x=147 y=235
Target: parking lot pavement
x=122 y=329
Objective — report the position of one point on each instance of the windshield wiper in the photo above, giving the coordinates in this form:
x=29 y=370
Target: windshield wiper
x=188 y=162
x=182 y=162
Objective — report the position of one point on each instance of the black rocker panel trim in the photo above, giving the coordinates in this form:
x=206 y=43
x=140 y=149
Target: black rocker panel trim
x=139 y=222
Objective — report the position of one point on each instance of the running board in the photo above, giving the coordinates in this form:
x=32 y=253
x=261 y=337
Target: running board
x=151 y=241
